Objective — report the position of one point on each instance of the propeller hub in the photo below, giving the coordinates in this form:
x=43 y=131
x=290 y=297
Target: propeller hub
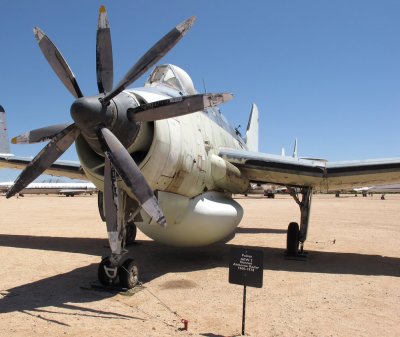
x=88 y=113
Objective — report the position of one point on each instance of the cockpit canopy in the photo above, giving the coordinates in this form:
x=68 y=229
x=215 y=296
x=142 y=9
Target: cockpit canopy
x=173 y=77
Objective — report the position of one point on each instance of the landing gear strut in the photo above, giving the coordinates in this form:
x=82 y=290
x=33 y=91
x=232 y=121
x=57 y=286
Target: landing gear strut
x=296 y=236
x=117 y=270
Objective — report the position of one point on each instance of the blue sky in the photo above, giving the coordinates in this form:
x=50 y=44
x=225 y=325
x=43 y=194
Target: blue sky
x=325 y=72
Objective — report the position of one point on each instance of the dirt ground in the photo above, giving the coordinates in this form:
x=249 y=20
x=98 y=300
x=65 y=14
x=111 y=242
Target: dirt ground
x=50 y=247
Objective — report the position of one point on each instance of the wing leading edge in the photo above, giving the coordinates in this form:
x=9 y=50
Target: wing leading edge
x=319 y=174
x=68 y=169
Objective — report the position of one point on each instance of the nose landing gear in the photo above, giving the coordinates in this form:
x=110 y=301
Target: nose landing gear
x=118 y=211
x=124 y=274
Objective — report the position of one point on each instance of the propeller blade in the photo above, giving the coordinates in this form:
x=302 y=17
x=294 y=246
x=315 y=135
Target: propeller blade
x=104 y=57
x=153 y=55
x=47 y=156
x=176 y=106
x=39 y=135
x=130 y=173
x=57 y=62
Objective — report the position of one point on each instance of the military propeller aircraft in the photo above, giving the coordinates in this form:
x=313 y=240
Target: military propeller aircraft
x=166 y=160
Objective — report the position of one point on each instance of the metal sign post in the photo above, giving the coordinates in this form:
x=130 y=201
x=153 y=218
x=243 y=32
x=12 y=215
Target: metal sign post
x=246 y=268
x=244 y=310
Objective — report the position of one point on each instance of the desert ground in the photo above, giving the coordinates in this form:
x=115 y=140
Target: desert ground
x=349 y=285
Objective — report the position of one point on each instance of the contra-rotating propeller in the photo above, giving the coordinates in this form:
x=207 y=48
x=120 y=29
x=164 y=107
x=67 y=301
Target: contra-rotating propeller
x=90 y=113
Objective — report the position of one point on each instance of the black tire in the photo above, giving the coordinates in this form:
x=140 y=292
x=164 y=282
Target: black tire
x=101 y=206
x=128 y=274
x=292 y=239
x=130 y=234
x=101 y=273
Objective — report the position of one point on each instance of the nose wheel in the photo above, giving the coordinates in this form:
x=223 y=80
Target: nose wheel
x=124 y=275
x=128 y=274
x=130 y=233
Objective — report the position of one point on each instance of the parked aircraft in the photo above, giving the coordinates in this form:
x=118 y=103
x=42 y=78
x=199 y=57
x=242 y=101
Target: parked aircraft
x=392 y=188
x=68 y=189
x=365 y=190
x=167 y=161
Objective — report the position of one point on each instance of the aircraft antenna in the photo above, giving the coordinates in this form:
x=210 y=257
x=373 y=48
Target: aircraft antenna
x=204 y=85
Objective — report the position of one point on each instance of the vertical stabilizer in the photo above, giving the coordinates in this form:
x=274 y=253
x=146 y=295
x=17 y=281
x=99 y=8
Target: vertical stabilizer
x=252 y=130
x=295 y=149
x=4 y=145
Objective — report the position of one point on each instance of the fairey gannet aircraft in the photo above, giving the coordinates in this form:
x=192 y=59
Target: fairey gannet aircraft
x=167 y=161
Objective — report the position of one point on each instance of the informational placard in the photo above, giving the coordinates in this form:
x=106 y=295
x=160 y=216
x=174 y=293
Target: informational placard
x=246 y=267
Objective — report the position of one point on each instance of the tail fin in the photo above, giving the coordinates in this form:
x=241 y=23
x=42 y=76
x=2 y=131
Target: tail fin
x=295 y=154
x=252 y=130
x=4 y=144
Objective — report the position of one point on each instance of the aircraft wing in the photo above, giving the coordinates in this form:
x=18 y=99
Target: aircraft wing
x=319 y=174
x=70 y=169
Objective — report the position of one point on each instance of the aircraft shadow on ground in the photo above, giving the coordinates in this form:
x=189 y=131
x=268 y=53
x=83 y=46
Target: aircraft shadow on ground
x=89 y=246
x=61 y=291
x=156 y=260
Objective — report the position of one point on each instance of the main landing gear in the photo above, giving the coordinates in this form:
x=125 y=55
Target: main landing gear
x=297 y=235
